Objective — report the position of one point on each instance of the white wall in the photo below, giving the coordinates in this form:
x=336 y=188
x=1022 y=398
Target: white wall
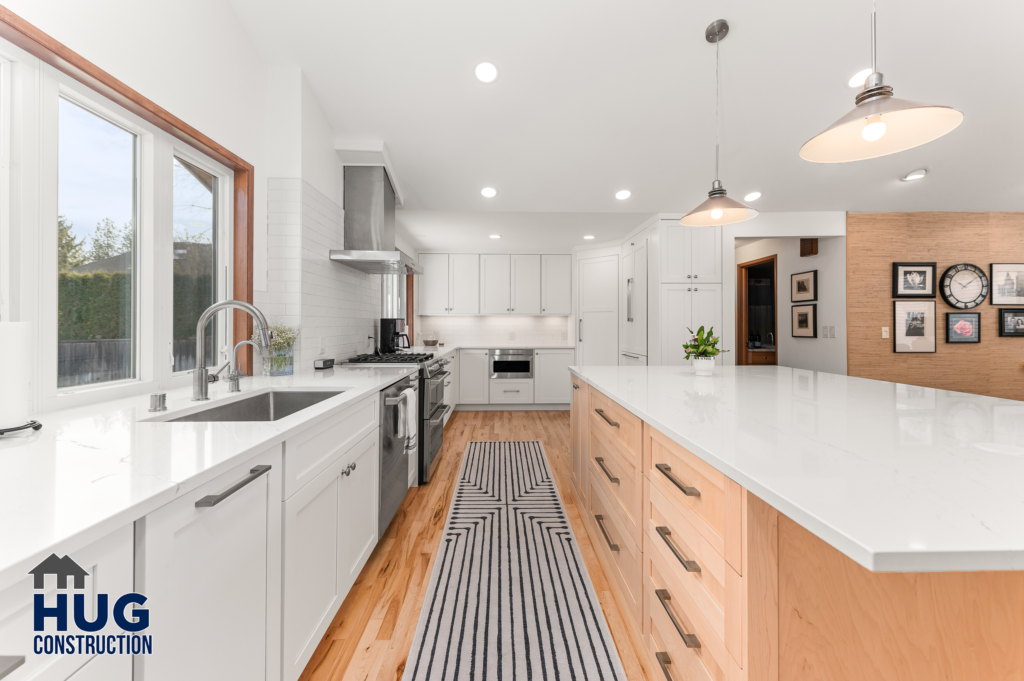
x=819 y=354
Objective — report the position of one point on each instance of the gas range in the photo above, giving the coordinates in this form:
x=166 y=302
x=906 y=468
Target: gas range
x=428 y=363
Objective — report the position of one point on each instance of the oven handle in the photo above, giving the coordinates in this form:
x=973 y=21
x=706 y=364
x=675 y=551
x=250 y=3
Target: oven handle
x=439 y=377
x=440 y=418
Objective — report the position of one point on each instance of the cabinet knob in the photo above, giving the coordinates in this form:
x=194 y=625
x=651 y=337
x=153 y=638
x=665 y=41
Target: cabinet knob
x=689 y=289
x=687 y=276
x=695 y=276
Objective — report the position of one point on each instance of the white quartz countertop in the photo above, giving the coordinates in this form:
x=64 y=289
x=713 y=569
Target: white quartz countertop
x=91 y=470
x=899 y=478
x=450 y=348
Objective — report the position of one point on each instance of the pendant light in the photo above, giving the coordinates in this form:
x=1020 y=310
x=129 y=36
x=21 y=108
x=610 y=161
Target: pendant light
x=719 y=209
x=880 y=124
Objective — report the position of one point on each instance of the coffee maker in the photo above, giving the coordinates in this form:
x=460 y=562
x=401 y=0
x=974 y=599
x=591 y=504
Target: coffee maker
x=392 y=314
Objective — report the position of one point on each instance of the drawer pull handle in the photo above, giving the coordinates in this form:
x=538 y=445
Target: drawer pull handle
x=688 y=565
x=690 y=640
x=214 y=499
x=9 y=663
x=664 y=660
x=600 y=523
x=613 y=424
x=600 y=462
x=666 y=470
x=575 y=387
x=510 y=391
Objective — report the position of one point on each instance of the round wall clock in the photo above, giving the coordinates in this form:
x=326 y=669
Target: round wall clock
x=964 y=286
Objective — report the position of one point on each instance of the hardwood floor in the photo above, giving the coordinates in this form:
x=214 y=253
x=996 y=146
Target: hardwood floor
x=370 y=637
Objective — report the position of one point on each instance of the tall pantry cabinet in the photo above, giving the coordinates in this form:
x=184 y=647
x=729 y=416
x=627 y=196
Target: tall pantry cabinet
x=690 y=289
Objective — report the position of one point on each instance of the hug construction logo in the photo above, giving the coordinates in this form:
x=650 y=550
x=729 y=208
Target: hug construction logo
x=94 y=639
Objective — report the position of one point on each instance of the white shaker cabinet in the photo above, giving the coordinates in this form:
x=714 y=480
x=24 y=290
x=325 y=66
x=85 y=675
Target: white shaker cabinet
x=633 y=297
x=464 y=283
x=474 y=385
x=687 y=307
x=495 y=284
x=330 y=528
x=690 y=254
x=207 y=561
x=433 y=284
x=525 y=285
x=629 y=360
x=706 y=255
x=551 y=383
x=556 y=285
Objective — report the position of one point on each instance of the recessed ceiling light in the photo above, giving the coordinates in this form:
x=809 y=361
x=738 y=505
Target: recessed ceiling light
x=752 y=196
x=857 y=79
x=623 y=194
x=486 y=72
x=588 y=237
x=495 y=236
x=488 y=192
x=914 y=175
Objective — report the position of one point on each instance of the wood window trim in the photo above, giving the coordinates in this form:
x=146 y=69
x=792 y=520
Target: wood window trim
x=741 y=306
x=49 y=51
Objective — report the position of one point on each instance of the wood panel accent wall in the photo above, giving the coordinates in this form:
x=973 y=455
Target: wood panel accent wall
x=873 y=242
x=42 y=46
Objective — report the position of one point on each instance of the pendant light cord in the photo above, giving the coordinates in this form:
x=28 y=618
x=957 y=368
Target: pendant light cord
x=717 y=98
x=874 y=50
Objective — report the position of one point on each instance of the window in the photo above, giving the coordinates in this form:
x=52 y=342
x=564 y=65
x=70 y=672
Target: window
x=96 y=254
x=195 y=260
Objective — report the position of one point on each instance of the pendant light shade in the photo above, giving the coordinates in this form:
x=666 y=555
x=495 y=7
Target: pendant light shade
x=719 y=209
x=880 y=124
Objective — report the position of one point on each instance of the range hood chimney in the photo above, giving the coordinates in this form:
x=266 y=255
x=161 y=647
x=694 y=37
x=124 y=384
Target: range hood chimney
x=370 y=224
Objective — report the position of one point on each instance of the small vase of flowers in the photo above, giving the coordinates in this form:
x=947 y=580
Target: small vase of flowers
x=278 y=360
x=703 y=348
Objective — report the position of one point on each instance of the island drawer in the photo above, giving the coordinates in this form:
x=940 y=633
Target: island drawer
x=667 y=656
x=622 y=557
x=679 y=619
x=623 y=427
x=688 y=556
x=705 y=497
x=621 y=481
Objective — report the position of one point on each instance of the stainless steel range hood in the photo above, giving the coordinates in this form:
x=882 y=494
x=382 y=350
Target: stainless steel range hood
x=370 y=224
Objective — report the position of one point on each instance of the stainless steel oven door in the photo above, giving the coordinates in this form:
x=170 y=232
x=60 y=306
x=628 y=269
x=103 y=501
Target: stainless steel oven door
x=431 y=439
x=510 y=363
x=433 y=392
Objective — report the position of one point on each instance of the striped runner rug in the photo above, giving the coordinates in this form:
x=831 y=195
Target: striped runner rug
x=509 y=595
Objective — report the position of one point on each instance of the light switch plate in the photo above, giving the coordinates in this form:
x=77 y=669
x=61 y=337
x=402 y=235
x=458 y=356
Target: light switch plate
x=824 y=332
x=831 y=332
x=885 y=332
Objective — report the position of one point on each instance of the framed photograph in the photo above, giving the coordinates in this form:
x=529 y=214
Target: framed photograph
x=1007 y=282
x=963 y=327
x=804 y=287
x=1011 y=322
x=913 y=326
x=805 y=321
x=913 y=280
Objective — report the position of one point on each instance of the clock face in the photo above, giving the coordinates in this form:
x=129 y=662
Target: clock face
x=964 y=286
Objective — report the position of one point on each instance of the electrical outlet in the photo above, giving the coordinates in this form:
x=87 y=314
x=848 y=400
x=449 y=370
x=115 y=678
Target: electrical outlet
x=885 y=332
x=565 y=335
x=511 y=335
x=322 y=348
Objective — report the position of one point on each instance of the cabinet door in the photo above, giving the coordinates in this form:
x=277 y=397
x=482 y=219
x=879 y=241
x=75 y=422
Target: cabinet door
x=578 y=416
x=511 y=391
x=433 y=284
x=639 y=339
x=597 y=330
x=707 y=308
x=628 y=360
x=464 y=283
x=675 y=252
x=195 y=557
x=706 y=255
x=495 y=283
x=473 y=377
x=676 y=310
x=358 y=508
x=526 y=284
x=556 y=285
x=626 y=284
x=550 y=369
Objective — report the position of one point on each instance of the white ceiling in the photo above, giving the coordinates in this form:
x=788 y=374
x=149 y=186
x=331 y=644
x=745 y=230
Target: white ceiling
x=595 y=96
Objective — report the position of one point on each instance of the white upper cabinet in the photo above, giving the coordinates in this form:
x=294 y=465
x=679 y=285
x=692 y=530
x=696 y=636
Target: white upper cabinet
x=556 y=285
x=690 y=253
x=433 y=284
x=495 y=284
x=463 y=283
x=526 y=284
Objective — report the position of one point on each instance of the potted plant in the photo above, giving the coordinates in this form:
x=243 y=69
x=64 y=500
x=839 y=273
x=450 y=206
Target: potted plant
x=278 y=360
x=703 y=348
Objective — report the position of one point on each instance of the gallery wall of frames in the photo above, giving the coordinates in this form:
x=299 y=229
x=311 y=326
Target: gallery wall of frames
x=949 y=287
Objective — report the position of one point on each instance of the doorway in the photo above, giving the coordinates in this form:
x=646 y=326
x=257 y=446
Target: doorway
x=757 y=310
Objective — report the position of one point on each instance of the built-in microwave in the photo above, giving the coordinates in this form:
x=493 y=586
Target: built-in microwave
x=511 y=363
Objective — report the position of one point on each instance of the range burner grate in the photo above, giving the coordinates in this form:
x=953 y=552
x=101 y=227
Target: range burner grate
x=394 y=358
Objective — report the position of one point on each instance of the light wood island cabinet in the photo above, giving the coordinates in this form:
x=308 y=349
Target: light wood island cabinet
x=717 y=585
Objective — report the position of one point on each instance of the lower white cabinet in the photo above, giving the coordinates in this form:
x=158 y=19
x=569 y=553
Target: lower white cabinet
x=511 y=391
x=109 y=562
x=683 y=307
x=206 y=562
x=474 y=370
x=627 y=359
x=330 y=528
x=551 y=376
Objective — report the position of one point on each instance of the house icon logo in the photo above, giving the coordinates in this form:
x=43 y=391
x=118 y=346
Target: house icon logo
x=94 y=633
x=63 y=568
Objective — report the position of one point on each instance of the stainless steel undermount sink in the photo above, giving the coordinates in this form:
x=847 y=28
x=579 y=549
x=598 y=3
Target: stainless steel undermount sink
x=268 y=406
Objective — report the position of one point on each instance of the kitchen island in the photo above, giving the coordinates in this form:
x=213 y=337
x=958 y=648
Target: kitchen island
x=806 y=525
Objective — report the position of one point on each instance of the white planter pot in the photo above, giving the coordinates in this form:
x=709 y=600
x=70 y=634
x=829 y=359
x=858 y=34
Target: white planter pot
x=704 y=366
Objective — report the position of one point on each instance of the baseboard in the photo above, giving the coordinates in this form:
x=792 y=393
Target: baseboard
x=512 y=407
